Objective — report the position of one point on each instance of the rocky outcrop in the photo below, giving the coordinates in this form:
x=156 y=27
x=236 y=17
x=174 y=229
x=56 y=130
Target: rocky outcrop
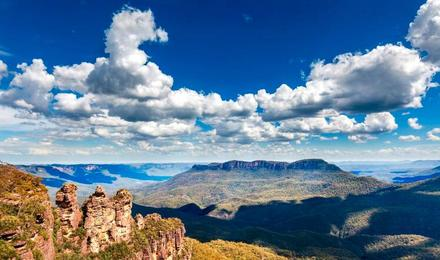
x=107 y=221
x=305 y=165
x=99 y=221
x=122 y=202
x=28 y=224
x=70 y=214
x=165 y=242
x=26 y=219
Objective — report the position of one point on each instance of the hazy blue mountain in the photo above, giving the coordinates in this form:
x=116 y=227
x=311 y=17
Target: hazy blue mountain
x=111 y=176
x=398 y=222
x=423 y=175
x=392 y=172
x=233 y=184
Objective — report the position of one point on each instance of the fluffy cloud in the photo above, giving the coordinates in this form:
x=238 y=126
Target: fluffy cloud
x=387 y=78
x=30 y=89
x=248 y=130
x=409 y=138
x=361 y=138
x=127 y=72
x=127 y=99
x=73 y=77
x=3 y=70
x=414 y=124
x=434 y=134
x=181 y=104
x=106 y=120
x=424 y=31
x=70 y=104
x=373 y=123
x=155 y=129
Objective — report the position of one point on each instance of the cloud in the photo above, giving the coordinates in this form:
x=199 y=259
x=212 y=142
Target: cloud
x=386 y=78
x=155 y=129
x=424 y=31
x=4 y=53
x=127 y=72
x=434 y=134
x=413 y=123
x=106 y=120
x=373 y=123
x=361 y=138
x=72 y=105
x=127 y=99
x=3 y=70
x=409 y=138
x=30 y=89
x=73 y=77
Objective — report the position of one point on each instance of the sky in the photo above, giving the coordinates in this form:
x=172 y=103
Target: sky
x=199 y=81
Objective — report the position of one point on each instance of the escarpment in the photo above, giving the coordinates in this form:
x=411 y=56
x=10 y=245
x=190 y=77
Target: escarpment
x=107 y=228
x=102 y=228
x=26 y=219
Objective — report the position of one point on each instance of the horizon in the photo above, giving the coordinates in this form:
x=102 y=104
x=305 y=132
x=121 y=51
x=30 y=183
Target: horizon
x=208 y=162
x=171 y=82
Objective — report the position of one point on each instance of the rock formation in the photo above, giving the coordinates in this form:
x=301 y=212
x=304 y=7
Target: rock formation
x=70 y=214
x=99 y=221
x=165 y=243
x=102 y=224
x=108 y=221
x=26 y=219
x=305 y=165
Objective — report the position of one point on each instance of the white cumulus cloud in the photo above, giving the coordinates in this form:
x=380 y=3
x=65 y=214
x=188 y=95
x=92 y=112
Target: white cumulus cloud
x=386 y=78
x=409 y=138
x=3 y=70
x=424 y=31
x=414 y=124
x=434 y=134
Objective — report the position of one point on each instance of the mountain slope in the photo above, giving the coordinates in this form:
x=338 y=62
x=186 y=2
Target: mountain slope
x=233 y=184
x=391 y=223
x=423 y=175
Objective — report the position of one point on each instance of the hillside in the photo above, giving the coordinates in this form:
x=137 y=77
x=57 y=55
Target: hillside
x=396 y=222
x=233 y=184
x=423 y=175
x=102 y=228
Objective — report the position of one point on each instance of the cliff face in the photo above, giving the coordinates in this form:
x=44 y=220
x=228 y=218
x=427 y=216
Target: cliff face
x=165 y=238
x=106 y=223
x=107 y=220
x=70 y=214
x=26 y=219
x=305 y=165
x=102 y=228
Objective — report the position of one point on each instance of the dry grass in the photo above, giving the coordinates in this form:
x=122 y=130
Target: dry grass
x=227 y=250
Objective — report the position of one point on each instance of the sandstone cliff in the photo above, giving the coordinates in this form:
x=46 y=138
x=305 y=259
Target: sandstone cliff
x=106 y=229
x=102 y=228
x=26 y=219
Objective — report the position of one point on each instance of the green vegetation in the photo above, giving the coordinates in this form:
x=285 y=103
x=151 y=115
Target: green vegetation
x=120 y=251
x=226 y=250
x=23 y=202
x=229 y=190
x=7 y=251
x=398 y=221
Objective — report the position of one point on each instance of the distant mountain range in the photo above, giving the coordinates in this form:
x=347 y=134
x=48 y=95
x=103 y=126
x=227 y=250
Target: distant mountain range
x=309 y=164
x=393 y=172
x=54 y=175
x=328 y=214
x=111 y=176
x=423 y=175
x=224 y=187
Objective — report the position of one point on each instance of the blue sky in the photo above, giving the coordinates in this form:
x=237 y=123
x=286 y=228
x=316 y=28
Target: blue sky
x=230 y=48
